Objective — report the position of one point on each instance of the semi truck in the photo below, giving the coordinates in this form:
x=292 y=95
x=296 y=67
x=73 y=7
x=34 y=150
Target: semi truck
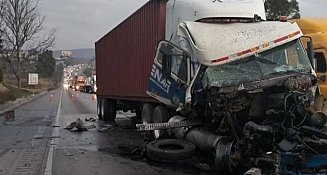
x=218 y=75
x=90 y=85
x=79 y=82
x=316 y=28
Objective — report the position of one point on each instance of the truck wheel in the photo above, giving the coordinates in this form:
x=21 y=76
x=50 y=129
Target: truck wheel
x=108 y=110
x=147 y=113
x=99 y=114
x=160 y=115
x=146 y=117
x=169 y=150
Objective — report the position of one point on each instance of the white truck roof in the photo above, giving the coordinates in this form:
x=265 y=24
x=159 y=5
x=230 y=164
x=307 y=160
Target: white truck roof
x=216 y=44
x=193 y=10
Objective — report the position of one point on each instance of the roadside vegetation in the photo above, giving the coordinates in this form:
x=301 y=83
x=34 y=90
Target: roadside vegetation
x=24 y=49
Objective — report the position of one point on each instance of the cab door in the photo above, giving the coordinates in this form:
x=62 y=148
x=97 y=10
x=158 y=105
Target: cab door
x=321 y=55
x=170 y=75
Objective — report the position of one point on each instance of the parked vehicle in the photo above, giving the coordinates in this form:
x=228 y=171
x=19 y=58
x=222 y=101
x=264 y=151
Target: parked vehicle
x=87 y=88
x=316 y=28
x=71 y=83
x=224 y=79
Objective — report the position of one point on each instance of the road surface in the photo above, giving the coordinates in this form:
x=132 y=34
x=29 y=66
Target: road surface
x=35 y=141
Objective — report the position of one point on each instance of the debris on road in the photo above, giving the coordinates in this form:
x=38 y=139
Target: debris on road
x=67 y=153
x=45 y=137
x=169 y=150
x=90 y=127
x=90 y=119
x=78 y=124
x=82 y=151
x=9 y=115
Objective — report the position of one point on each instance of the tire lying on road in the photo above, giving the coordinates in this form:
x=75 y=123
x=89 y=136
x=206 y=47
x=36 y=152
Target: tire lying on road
x=169 y=150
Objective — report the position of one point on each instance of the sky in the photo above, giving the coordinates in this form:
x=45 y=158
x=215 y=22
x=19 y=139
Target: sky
x=80 y=23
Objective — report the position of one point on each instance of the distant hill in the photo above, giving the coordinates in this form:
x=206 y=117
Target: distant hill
x=83 y=54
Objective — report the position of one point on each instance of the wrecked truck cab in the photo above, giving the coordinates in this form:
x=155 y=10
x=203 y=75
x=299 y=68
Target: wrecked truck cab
x=287 y=59
x=252 y=86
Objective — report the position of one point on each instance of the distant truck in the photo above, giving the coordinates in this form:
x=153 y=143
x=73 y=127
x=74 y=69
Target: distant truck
x=93 y=81
x=316 y=28
x=216 y=74
x=79 y=82
x=90 y=85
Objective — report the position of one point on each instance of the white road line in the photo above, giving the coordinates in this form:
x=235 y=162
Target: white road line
x=55 y=141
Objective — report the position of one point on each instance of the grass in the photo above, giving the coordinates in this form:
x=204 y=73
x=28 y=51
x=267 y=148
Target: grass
x=12 y=94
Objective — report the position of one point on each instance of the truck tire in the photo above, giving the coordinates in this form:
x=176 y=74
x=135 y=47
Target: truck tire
x=147 y=113
x=108 y=111
x=169 y=150
x=99 y=114
x=146 y=117
x=160 y=115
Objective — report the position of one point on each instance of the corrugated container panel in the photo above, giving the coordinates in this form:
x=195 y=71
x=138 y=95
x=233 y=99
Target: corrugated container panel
x=124 y=56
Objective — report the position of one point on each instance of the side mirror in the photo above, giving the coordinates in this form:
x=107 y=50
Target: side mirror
x=310 y=52
x=167 y=55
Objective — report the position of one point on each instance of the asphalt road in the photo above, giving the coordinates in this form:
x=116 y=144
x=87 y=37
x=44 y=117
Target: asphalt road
x=35 y=141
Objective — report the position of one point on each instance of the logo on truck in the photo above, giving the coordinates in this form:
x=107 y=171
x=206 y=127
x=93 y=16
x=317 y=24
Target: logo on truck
x=159 y=80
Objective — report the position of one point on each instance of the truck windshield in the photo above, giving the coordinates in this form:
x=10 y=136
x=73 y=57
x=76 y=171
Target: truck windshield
x=284 y=59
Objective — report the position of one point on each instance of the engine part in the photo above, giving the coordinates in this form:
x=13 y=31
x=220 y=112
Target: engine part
x=278 y=102
x=313 y=131
x=253 y=127
x=318 y=119
x=169 y=150
x=253 y=171
x=198 y=136
x=202 y=138
x=286 y=145
x=227 y=157
x=298 y=83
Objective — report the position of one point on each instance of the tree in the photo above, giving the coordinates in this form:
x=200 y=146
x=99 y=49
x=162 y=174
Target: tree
x=277 y=8
x=46 y=64
x=88 y=72
x=1 y=24
x=23 y=28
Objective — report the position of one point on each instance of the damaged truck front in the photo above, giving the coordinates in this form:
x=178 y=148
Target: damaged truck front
x=251 y=85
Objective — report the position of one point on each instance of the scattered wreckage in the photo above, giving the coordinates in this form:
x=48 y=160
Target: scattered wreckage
x=273 y=128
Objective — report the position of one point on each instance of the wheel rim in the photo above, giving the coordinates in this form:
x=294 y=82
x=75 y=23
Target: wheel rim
x=102 y=109
x=98 y=108
x=156 y=133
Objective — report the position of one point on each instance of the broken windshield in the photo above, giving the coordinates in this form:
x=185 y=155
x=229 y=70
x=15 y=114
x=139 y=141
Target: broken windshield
x=287 y=58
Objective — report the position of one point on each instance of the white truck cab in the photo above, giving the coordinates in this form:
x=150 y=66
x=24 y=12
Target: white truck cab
x=194 y=10
x=249 y=81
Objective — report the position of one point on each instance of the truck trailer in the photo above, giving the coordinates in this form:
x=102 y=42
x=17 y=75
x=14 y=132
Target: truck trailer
x=218 y=75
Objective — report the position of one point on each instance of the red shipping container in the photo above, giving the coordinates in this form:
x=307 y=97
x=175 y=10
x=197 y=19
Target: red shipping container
x=124 y=56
